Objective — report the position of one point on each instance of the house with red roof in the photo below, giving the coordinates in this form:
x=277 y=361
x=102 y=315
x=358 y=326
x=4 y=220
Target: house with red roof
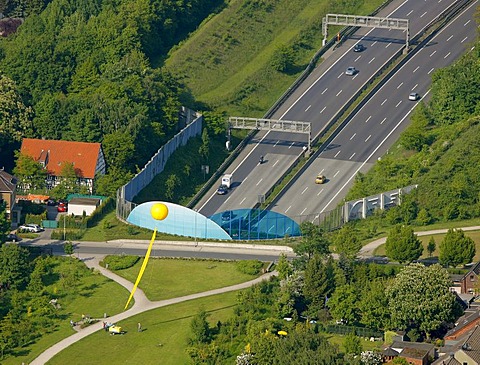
x=87 y=159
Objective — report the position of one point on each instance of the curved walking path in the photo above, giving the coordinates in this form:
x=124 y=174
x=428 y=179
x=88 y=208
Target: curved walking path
x=142 y=304
x=368 y=250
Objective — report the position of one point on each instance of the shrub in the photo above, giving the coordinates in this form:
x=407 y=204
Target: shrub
x=120 y=262
x=249 y=267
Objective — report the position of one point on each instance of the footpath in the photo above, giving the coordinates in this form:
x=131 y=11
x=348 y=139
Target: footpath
x=141 y=304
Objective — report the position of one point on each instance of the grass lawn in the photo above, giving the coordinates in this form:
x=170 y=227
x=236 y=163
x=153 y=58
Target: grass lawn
x=339 y=340
x=163 y=340
x=168 y=278
x=474 y=235
x=93 y=296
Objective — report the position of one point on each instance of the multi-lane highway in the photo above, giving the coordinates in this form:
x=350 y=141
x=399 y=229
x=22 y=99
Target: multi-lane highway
x=317 y=101
x=379 y=123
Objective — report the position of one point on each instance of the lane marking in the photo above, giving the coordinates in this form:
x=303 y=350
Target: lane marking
x=321 y=111
x=320 y=192
x=464 y=39
x=388 y=45
x=383 y=102
x=433 y=53
x=449 y=37
x=384 y=119
x=288 y=209
x=336 y=173
x=429 y=72
x=368 y=138
x=275 y=163
x=308 y=107
x=303 y=211
x=352 y=156
x=352 y=137
x=336 y=154
x=416 y=69
x=410 y=12
x=304 y=190
x=413 y=88
x=448 y=54
x=339 y=75
x=370 y=117
x=339 y=92
x=374 y=43
x=323 y=92
x=275 y=145
x=421 y=16
x=469 y=20
x=293 y=143
x=259 y=181
x=371 y=60
x=400 y=102
x=356 y=59
x=399 y=86
x=242 y=200
x=354 y=77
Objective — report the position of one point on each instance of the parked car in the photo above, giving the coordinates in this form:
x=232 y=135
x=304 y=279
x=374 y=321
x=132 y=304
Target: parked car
x=351 y=71
x=31 y=228
x=222 y=190
x=12 y=237
x=413 y=97
x=320 y=179
x=358 y=47
x=61 y=207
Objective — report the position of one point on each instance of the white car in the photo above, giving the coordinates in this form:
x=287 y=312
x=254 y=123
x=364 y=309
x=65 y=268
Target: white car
x=31 y=228
x=413 y=97
x=351 y=71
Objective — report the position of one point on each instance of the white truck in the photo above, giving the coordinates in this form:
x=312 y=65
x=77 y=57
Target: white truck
x=227 y=180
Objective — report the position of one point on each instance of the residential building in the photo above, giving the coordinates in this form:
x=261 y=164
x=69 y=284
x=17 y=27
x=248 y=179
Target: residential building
x=87 y=159
x=414 y=352
x=8 y=184
x=466 y=353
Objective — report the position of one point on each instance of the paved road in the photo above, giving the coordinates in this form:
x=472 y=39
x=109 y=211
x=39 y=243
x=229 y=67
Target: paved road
x=375 y=128
x=322 y=94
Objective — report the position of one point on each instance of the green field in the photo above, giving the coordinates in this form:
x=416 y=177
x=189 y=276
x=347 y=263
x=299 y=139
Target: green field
x=168 y=278
x=162 y=341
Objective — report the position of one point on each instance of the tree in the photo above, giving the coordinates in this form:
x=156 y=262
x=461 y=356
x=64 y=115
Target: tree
x=283 y=58
x=319 y=283
x=420 y=297
x=402 y=244
x=352 y=344
x=68 y=248
x=456 y=248
x=313 y=241
x=31 y=173
x=4 y=222
x=400 y=361
x=283 y=267
x=205 y=147
x=200 y=328
x=172 y=182
x=343 y=304
x=431 y=246
x=374 y=305
x=14 y=266
x=346 y=241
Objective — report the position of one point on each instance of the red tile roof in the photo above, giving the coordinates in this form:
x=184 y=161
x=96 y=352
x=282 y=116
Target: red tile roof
x=83 y=155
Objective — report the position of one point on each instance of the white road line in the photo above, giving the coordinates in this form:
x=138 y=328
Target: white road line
x=371 y=60
x=388 y=45
x=356 y=59
x=275 y=163
x=368 y=138
x=308 y=108
x=416 y=69
x=352 y=137
x=321 y=111
x=400 y=102
x=368 y=158
x=374 y=43
x=421 y=16
x=429 y=72
x=242 y=200
x=293 y=143
x=339 y=75
x=324 y=91
x=352 y=156
x=303 y=211
x=384 y=119
x=410 y=12
x=322 y=171
x=413 y=88
x=400 y=85
x=431 y=54
x=448 y=54
x=275 y=145
x=320 y=192
x=246 y=178
x=467 y=23
x=354 y=77
x=339 y=92
x=449 y=38
x=464 y=39
x=336 y=154
x=370 y=117
x=226 y=200
x=259 y=181
x=383 y=102
x=304 y=190
x=336 y=173
x=288 y=209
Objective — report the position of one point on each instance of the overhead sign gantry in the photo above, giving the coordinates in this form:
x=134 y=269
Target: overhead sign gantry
x=365 y=21
x=271 y=125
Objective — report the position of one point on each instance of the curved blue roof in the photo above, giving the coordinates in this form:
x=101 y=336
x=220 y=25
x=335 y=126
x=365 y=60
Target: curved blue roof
x=180 y=220
x=256 y=224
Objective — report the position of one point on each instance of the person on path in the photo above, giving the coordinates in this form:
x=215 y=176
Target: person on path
x=139 y=327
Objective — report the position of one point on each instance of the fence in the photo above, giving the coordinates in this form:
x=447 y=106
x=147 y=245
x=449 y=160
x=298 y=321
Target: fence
x=127 y=192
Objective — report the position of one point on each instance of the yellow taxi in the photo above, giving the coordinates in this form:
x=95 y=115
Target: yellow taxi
x=320 y=179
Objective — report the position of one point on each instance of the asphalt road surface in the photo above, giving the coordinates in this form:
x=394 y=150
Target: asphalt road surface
x=317 y=100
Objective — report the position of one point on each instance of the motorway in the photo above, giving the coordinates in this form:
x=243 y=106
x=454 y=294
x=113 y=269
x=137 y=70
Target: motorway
x=317 y=101
x=378 y=124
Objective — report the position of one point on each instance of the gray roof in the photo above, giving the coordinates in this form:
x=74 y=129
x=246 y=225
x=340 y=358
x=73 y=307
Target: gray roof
x=7 y=182
x=85 y=201
x=471 y=346
x=463 y=321
x=414 y=350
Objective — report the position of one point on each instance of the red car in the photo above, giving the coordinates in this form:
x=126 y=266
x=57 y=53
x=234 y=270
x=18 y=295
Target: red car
x=62 y=207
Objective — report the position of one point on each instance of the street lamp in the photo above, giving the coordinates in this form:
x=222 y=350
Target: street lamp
x=196 y=243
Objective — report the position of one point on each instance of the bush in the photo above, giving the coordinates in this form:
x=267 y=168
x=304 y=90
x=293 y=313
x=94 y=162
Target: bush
x=106 y=207
x=70 y=234
x=119 y=262
x=249 y=267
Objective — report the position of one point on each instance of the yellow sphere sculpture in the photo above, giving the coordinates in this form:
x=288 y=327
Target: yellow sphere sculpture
x=159 y=211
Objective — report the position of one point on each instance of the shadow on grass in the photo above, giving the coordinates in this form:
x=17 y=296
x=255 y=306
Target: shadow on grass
x=192 y=315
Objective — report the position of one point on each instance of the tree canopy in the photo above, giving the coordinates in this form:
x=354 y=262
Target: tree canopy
x=402 y=244
x=456 y=248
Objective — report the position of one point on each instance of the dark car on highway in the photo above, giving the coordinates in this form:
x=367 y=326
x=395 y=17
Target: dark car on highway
x=358 y=47
x=222 y=190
